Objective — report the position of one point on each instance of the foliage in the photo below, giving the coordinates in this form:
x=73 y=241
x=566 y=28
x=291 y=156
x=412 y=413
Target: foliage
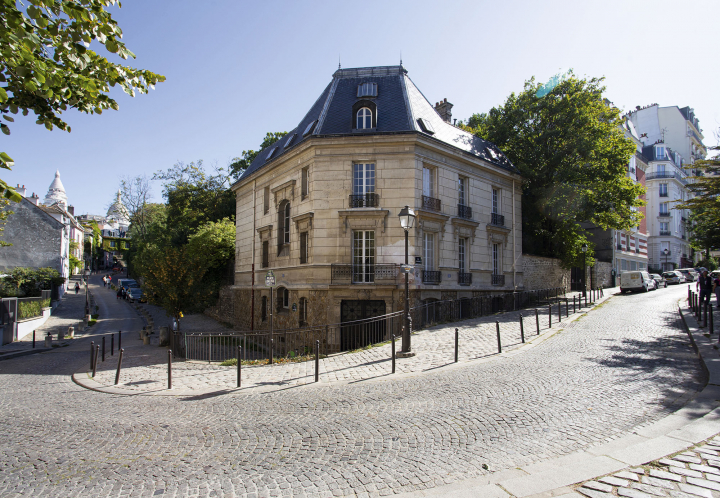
x=75 y=264
x=32 y=309
x=573 y=156
x=710 y=263
x=4 y=214
x=46 y=66
x=28 y=282
x=240 y=164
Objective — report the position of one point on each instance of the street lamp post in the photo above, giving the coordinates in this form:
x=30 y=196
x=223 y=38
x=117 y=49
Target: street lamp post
x=87 y=279
x=407 y=220
x=666 y=252
x=584 y=251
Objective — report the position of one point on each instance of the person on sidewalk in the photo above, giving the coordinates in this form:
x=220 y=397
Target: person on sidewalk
x=716 y=288
x=119 y=294
x=77 y=287
x=705 y=283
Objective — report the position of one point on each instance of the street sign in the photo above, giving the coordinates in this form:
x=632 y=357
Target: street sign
x=406 y=268
x=418 y=260
x=270 y=279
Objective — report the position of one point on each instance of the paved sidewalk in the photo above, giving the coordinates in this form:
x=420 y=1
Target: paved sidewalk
x=144 y=368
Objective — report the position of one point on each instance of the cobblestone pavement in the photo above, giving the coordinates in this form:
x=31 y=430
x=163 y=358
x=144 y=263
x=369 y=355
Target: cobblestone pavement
x=624 y=365
x=688 y=474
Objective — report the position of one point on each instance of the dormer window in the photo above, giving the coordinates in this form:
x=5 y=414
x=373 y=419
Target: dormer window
x=290 y=140
x=364 y=118
x=270 y=154
x=309 y=129
x=426 y=126
x=367 y=90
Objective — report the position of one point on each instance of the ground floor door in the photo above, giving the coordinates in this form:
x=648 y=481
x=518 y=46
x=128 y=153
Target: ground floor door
x=577 y=279
x=357 y=329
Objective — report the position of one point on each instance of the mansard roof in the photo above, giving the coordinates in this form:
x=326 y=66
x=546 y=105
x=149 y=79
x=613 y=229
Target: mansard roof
x=400 y=107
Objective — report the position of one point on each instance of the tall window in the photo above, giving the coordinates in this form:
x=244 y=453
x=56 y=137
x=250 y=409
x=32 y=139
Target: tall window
x=303 y=247
x=363 y=256
x=266 y=200
x=663 y=190
x=496 y=259
x=428 y=182
x=363 y=179
x=302 y=312
x=283 y=224
x=664 y=208
x=461 y=255
x=305 y=183
x=660 y=152
x=462 y=189
x=364 y=118
x=496 y=201
x=661 y=168
x=265 y=254
x=429 y=251
x=283 y=298
x=664 y=227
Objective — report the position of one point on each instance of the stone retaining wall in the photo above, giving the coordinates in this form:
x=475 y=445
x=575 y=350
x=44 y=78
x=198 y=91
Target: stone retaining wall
x=544 y=273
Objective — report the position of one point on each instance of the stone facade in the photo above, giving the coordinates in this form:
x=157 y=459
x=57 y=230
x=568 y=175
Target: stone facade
x=544 y=273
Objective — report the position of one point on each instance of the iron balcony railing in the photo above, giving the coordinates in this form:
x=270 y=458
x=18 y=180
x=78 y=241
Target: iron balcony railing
x=369 y=199
x=363 y=274
x=464 y=212
x=497 y=220
x=464 y=278
x=498 y=279
x=431 y=277
x=431 y=203
x=663 y=194
x=682 y=236
x=664 y=232
x=667 y=174
x=619 y=247
x=664 y=213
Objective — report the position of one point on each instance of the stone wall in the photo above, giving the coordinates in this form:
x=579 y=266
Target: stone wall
x=603 y=276
x=543 y=273
x=224 y=309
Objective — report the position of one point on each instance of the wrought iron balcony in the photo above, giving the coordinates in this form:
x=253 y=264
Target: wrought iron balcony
x=682 y=236
x=431 y=203
x=363 y=274
x=497 y=220
x=431 y=277
x=369 y=199
x=498 y=279
x=464 y=211
x=464 y=278
x=663 y=194
x=619 y=247
x=664 y=232
x=664 y=213
x=667 y=174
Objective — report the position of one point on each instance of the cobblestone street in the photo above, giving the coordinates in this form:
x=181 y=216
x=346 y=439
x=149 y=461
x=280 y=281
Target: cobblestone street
x=620 y=367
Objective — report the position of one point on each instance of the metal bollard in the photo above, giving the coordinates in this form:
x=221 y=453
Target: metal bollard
x=169 y=369
x=586 y=300
x=239 y=371
x=567 y=308
x=317 y=360
x=712 y=325
x=33 y=339
x=537 y=321
x=689 y=295
x=522 y=329
x=117 y=374
x=456 y=344
x=97 y=350
x=119 y=339
x=103 y=349
x=112 y=344
x=559 y=311
x=497 y=328
x=549 y=315
x=272 y=349
x=392 y=353
x=92 y=353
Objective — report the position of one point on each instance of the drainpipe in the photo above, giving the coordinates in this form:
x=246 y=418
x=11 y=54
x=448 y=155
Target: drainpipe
x=513 y=237
x=252 y=266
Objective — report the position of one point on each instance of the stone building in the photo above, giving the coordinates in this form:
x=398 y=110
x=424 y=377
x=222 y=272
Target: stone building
x=320 y=208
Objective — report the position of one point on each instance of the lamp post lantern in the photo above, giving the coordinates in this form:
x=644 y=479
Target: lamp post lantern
x=666 y=252
x=407 y=221
x=584 y=251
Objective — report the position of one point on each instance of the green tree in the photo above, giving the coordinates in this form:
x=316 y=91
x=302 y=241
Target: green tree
x=573 y=157
x=214 y=244
x=4 y=213
x=47 y=67
x=28 y=282
x=240 y=164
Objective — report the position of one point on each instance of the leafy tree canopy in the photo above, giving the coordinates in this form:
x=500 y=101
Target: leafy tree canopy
x=28 y=282
x=573 y=155
x=240 y=164
x=47 y=67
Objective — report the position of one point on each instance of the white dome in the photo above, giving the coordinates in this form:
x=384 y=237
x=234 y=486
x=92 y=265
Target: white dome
x=118 y=212
x=56 y=192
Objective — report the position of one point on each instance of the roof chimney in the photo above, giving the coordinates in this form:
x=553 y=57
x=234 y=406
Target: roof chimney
x=20 y=190
x=35 y=199
x=444 y=109
x=71 y=210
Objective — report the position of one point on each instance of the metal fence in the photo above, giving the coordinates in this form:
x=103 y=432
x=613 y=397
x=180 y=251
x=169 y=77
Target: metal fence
x=347 y=336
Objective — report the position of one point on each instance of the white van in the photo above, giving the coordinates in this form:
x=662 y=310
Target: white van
x=636 y=281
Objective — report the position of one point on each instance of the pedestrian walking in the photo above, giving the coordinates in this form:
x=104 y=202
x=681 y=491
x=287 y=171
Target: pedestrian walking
x=716 y=288
x=104 y=282
x=119 y=294
x=706 y=285
x=77 y=287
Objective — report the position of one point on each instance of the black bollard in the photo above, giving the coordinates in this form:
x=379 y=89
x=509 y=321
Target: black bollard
x=586 y=300
x=456 y=344
x=573 y=305
x=112 y=344
x=117 y=374
x=688 y=295
x=33 y=339
x=95 y=358
x=549 y=316
x=522 y=329
x=712 y=325
x=169 y=369
x=567 y=308
x=239 y=359
x=317 y=360
x=705 y=314
x=537 y=321
x=272 y=350
x=497 y=328
x=92 y=353
x=392 y=353
x=119 y=339
x=559 y=312
x=103 y=349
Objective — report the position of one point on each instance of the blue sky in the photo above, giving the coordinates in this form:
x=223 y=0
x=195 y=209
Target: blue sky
x=238 y=69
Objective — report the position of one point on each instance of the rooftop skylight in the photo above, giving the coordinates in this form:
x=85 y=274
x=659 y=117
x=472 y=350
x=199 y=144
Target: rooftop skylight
x=290 y=140
x=426 y=126
x=309 y=128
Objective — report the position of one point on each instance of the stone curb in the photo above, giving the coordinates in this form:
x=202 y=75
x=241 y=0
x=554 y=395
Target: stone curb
x=10 y=356
x=83 y=378
x=695 y=422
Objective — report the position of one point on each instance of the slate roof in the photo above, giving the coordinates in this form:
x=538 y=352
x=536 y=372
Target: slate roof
x=399 y=106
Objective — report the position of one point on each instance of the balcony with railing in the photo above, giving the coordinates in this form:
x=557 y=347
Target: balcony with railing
x=363 y=274
x=663 y=194
x=664 y=213
x=664 y=232
x=497 y=219
x=464 y=211
x=431 y=277
x=659 y=175
x=369 y=199
x=498 y=279
x=464 y=278
x=431 y=203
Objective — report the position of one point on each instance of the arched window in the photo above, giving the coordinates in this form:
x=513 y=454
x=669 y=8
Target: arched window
x=283 y=299
x=364 y=118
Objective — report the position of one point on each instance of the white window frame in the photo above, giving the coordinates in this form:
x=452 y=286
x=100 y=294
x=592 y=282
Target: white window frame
x=363 y=178
x=428 y=182
x=286 y=227
x=462 y=255
x=429 y=251
x=496 y=259
x=664 y=226
x=663 y=189
x=363 y=256
x=305 y=182
x=364 y=118
x=665 y=208
x=496 y=200
x=462 y=191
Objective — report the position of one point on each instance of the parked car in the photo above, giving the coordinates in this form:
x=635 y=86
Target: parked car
x=636 y=281
x=674 y=277
x=126 y=282
x=659 y=280
x=135 y=293
x=690 y=274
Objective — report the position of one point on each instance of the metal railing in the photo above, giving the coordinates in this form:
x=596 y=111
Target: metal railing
x=667 y=174
x=497 y=219
x=664 y=213
x=498 y=279
x=464 y=278
x=369 y=199
x=367 y=273
x=431 y=203
x=464 y=211
x=431 y=277
x=663 y=194
x=664 y=232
